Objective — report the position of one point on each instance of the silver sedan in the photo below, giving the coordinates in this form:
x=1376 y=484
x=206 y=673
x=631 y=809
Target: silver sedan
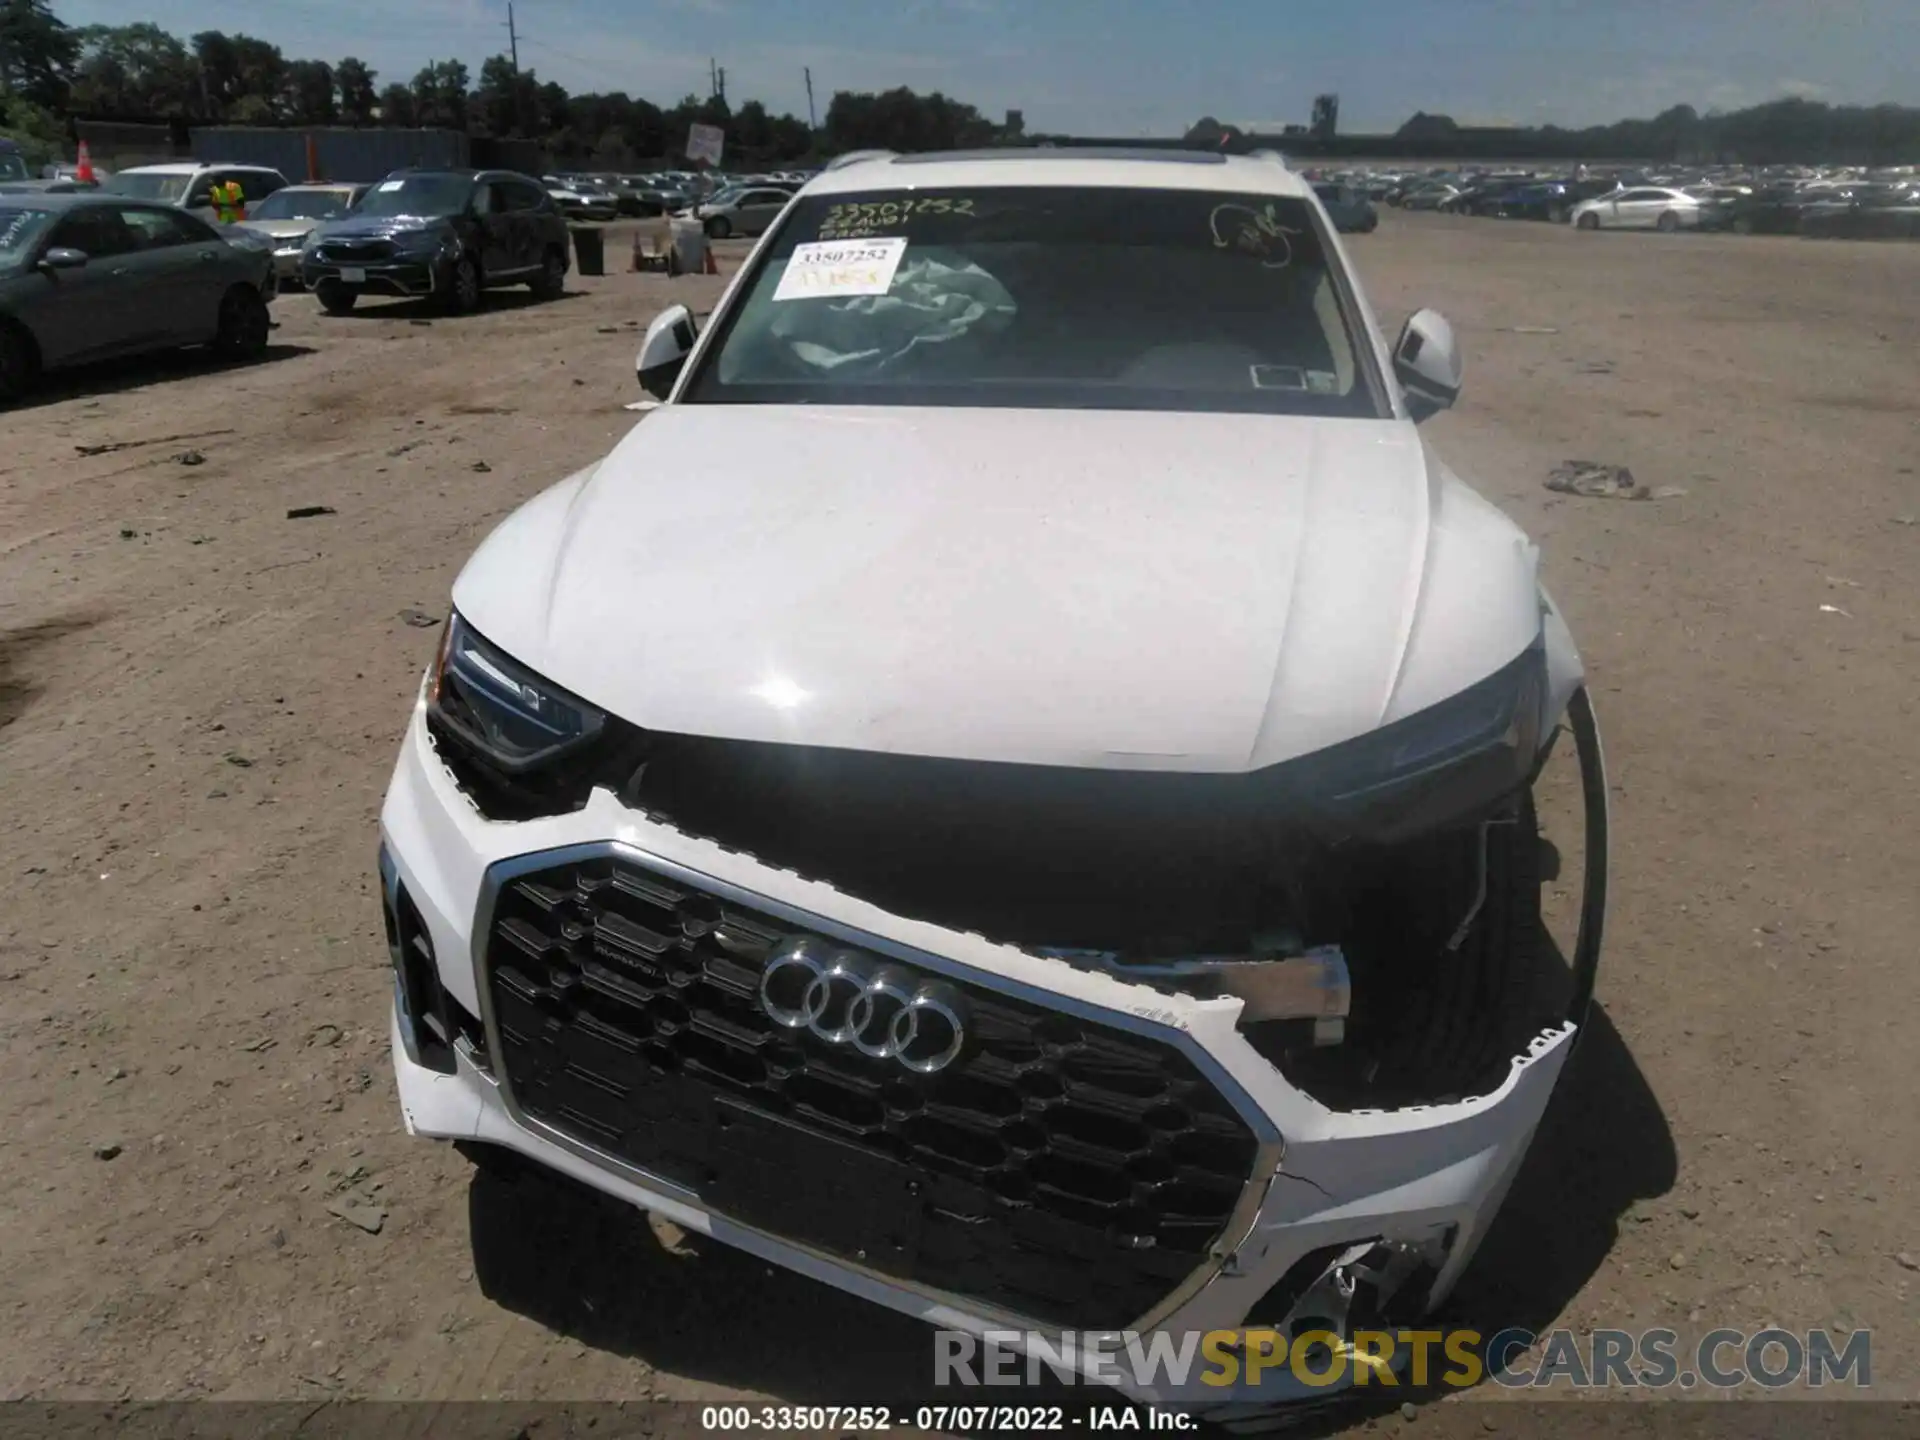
x=1646 y=207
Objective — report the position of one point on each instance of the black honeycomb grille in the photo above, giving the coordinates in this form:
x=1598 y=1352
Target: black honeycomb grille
x=1058 y=1169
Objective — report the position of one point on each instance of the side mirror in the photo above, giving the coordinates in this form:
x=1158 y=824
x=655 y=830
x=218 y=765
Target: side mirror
x=664 y=350
x=61 y=257
x=1426 y=362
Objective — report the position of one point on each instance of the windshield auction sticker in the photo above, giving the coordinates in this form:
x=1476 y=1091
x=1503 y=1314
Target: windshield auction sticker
x=824 y=268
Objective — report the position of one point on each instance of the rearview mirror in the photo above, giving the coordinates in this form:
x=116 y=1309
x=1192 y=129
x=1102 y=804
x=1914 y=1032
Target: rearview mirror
x=664 y=350
x=60 y=257
x=1426 y=361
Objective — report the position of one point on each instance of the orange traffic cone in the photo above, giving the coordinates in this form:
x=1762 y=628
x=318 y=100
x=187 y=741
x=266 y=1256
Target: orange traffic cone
x=83 y=172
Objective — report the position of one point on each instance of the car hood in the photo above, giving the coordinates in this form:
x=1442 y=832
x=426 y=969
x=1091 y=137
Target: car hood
x=1112 y=589
x=279 y=229
x=382 y=227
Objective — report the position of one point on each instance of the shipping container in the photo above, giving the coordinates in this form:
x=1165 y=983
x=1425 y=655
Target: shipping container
x=119 y=145
x=341 y=153
x=529 y=157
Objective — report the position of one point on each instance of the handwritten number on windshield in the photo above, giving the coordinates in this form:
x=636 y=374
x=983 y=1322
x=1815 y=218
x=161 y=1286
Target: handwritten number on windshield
x=860 y=219
x=15 y=226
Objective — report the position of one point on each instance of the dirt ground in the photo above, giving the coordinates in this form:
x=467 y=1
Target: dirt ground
x=201 y=699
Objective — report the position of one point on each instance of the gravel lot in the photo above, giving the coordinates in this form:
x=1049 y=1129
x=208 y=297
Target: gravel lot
x=201 y=698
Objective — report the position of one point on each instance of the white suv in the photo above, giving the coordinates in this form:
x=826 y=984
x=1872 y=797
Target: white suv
x=190 y=185
x=1011 y=792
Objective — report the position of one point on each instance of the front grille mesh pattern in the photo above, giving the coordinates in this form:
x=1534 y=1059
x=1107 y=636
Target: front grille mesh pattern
x=1059 y=1168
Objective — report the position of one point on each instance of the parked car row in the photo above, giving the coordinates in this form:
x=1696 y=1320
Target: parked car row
x=603 y=195
x=1349 y=208
x=1831 y=202
x=129 y=268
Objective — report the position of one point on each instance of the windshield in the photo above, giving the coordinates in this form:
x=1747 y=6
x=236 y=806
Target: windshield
x=168 y=189
x=1051 y=297
x=417 y=195
x=301 y=205
x=12 y=167
x=20 y=231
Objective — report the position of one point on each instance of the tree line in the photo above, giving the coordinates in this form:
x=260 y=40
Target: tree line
x=50 y=72
x=1786 y=131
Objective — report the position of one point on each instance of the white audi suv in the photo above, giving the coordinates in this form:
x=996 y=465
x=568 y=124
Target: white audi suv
x=1012 y=791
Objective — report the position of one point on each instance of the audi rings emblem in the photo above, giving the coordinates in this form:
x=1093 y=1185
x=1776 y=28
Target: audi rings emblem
x=847 y=997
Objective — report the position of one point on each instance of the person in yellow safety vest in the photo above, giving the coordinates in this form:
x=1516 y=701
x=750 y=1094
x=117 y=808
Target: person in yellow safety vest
x=229 y=203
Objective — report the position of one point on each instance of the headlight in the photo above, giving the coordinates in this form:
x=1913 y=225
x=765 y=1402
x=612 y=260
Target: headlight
x=500 y=710
x=1450 y=759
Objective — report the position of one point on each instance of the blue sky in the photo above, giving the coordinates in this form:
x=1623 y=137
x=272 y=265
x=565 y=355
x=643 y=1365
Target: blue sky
x=1134 y=67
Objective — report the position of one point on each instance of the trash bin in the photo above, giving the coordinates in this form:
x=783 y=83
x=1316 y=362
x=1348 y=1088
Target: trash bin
x=589 y=250
x=689 y=247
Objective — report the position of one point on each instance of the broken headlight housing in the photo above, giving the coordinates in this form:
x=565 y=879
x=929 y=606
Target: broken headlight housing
x=500 y=712
x=1441 y=765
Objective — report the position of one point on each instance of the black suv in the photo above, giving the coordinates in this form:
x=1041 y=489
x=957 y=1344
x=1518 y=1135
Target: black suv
x=446 y=233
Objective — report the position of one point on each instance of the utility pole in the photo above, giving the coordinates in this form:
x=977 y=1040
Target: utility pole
x=812 y=123
x=513 y=39
x=722 y=90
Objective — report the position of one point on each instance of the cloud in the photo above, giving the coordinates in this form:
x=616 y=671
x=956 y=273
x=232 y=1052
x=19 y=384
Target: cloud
x=1801 y=89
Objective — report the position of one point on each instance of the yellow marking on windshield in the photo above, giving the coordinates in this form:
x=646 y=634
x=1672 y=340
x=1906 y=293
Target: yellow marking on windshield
x=1257 y=233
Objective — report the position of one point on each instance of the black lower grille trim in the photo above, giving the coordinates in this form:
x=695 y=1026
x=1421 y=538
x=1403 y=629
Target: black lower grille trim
x=355 y=252
x=1060 y=1168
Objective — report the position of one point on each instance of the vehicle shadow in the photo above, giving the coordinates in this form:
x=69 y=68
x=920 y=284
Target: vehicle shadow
x=427 y=308
x=593 y=1269
x=1603 y=1145
x=17 y=649
x=108 y=377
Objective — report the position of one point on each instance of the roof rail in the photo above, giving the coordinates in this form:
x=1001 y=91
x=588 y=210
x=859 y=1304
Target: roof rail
x=858 y=157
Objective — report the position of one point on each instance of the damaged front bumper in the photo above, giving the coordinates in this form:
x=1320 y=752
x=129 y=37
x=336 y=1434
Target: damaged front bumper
x=1314 y=1191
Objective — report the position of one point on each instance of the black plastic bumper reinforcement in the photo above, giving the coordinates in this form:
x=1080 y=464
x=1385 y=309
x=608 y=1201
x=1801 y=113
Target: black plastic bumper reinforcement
x=1585 y=960
x=1071 y=1171
x=432 y=1023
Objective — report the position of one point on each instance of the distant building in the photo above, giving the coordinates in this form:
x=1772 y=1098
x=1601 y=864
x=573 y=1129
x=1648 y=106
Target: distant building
x=1326 y=116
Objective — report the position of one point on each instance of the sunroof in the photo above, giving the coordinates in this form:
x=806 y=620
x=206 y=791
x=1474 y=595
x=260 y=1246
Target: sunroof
x=1069 y=152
